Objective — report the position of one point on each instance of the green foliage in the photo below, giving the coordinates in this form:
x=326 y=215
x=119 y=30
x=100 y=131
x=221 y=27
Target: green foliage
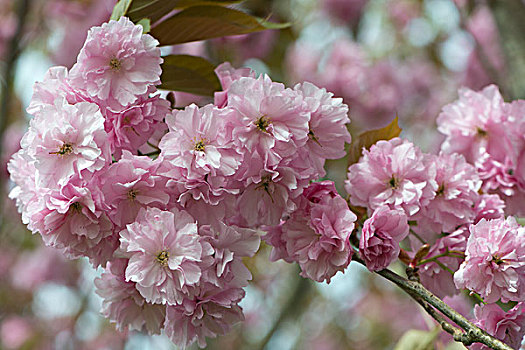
x=196 y=20
x=146 y=25
x=368 y=138
x=189 y=74
x=120 y=9
x=418 y=340
x=206 y=22
x=156 y=9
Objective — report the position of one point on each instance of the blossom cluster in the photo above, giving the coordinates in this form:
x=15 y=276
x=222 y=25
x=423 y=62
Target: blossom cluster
x=169 y=202
x=454 y=203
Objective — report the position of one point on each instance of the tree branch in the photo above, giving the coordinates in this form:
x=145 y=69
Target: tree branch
x=469 y=332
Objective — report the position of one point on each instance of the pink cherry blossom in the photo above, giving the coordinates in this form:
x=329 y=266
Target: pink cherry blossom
x=27 y=194
x=489 y=206
x=274 y=237
x=69 y=219
x=476 y=124
x=393 y=173
x=229 y=244
x=433 y=276
x=269 y=197
x=269 y=120
x=495 y=261
x=382 y=233
x=117 y=64
x=212 y=312
x=164 y=251
x=508 y=327
x=124 y=305
x=132 y=127
x=130 y=184
x=227 y=75
x=317 y=235
x=327 y=133
x=199 y=142
x=54 y=84
x=66 y=139
x=458 y=185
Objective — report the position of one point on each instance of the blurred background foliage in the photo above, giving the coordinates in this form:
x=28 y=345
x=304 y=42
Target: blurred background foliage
x=385 y=58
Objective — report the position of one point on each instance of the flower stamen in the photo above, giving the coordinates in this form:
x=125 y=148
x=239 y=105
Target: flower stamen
x=262 y=123
x=163 y=257
x=64 y=150
x=132 y=194
x=115 y=64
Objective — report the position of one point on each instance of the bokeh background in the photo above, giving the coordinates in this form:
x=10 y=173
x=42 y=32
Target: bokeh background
x=385 y=58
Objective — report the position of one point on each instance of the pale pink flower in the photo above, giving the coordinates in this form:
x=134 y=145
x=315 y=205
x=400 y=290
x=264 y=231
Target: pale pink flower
x=488 y=132
x=269 y=197
x=229 y=244
x=476 y=124
x=489 y=206
x=508 y=327
x=495 y=261
x=227 y=75
x=269 y=122
x=212 y=312
x=327 y=133
x=164 y=251
x=55 y=84
x=117 y=64
x=65 y=140
x=132 y=127
x=317 y=235
x=124 y=305
x=274 y=237
x=200 y=143
x=70 y=219
x=380 y=238
x=438 y=280
x=393 y=173
x=26 y=192
x=130 y=184
x=458 y=185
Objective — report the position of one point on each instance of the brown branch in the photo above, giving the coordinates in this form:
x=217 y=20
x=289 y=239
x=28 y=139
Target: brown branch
x=469 y=332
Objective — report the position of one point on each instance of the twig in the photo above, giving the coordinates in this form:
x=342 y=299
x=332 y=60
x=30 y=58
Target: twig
x=470 y=333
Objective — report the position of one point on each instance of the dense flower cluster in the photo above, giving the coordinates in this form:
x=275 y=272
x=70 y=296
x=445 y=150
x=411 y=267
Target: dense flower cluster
x=171 y=230
x=170 y=202
x=456 y=203
x=489 y=133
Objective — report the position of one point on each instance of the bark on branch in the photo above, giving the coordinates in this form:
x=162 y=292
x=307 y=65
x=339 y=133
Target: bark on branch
x=468 y=333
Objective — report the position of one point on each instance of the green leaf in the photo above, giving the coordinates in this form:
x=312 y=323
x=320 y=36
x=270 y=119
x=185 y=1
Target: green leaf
x=156 y=9
x=418 y=340
x=146 y=25
x=189 y=74
x=368 y=138
x=206 y=22
x=120 y=9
